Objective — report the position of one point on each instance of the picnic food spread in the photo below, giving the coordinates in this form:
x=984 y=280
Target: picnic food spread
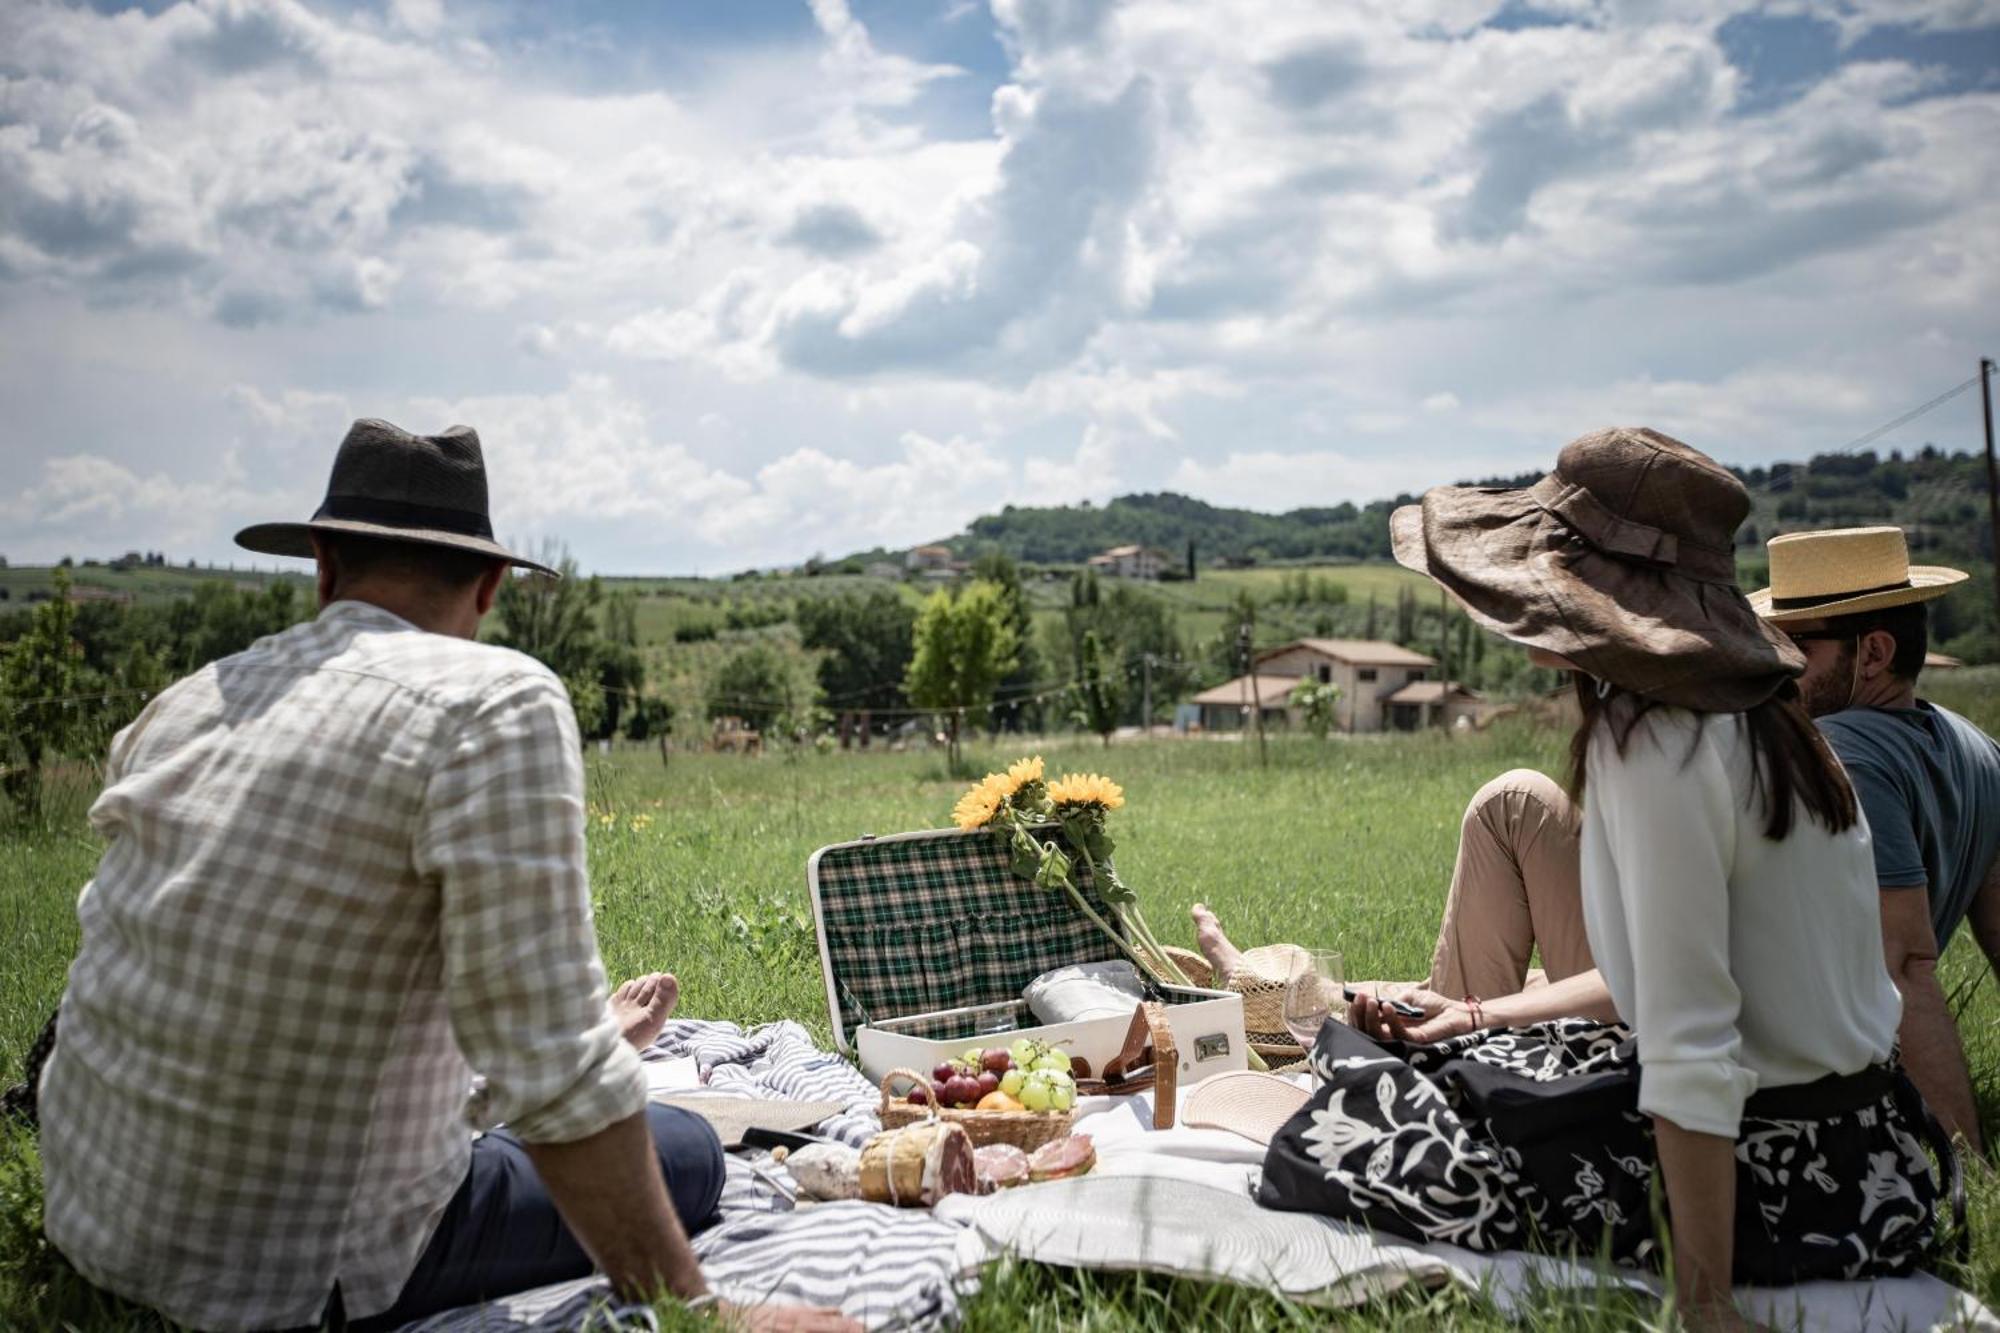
x=1027 y=1076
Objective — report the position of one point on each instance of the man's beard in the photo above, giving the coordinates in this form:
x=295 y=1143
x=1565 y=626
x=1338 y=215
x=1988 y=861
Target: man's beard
x=1832 y=689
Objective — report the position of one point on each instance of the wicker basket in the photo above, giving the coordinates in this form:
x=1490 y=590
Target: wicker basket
x=1026 y=1130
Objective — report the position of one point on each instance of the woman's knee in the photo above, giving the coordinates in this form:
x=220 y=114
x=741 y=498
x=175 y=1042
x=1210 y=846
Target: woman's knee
x=690 y=1159
x=1518 y=787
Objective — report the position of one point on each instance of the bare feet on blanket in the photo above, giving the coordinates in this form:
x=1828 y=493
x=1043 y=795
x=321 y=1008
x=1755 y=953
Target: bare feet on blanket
x=1223 y=956
x=643 y=1005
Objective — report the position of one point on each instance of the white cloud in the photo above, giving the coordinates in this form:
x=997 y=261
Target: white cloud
x=768 y=299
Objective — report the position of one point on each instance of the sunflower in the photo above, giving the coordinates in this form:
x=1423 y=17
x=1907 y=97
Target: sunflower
x=1022 y=772
x=981 y=802
x=1086 y=789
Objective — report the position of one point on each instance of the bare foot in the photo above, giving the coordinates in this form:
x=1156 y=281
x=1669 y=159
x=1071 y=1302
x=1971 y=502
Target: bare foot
x=642 y=1006
x=1223 y=956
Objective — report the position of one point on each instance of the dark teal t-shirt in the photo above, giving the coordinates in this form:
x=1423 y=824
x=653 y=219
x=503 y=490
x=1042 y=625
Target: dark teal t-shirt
x=1929 y=782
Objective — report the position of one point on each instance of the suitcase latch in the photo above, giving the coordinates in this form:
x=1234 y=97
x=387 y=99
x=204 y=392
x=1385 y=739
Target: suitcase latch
x=1211 y=1047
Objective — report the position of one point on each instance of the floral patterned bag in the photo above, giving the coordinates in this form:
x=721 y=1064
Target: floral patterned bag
x=1532 y=1138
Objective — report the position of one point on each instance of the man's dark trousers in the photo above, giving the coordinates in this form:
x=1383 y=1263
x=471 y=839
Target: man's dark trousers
x=501 y=1233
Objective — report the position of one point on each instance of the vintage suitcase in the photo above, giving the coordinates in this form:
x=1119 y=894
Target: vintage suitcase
x=926 y=941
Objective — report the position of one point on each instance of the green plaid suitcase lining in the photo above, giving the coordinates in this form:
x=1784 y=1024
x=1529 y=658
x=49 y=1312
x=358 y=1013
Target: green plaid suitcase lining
x=917 y=925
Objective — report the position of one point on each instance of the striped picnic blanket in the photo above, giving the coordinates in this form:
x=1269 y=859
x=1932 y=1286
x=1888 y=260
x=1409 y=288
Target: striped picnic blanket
x=913 y=1268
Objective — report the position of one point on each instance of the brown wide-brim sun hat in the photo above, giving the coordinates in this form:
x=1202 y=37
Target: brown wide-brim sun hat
x=1844 y=572
x=1622 y=561
x=427 y=490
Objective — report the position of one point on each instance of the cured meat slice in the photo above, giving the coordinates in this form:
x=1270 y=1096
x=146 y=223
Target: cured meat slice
x=1060 y=1158
x=1000 y=1166
x=915 y=1166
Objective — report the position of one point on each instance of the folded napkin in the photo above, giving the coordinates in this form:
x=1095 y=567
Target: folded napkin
x=1085 y=990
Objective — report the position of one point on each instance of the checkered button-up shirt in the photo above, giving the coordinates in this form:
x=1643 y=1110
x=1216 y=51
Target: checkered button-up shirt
x=345 y=872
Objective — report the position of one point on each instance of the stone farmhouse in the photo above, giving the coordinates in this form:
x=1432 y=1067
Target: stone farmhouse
x=1131 y=562
x=1383 y=687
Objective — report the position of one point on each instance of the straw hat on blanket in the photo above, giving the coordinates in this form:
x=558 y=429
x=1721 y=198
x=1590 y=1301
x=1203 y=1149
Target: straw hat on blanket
x=1260 y=980
x=1245 y=1102
x=1845 y=572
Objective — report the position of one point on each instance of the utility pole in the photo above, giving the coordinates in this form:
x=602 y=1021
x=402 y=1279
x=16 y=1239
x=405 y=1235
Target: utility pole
x=1246 y=645
x=1146 y=693
x=1444 y=652
x=1992 y=476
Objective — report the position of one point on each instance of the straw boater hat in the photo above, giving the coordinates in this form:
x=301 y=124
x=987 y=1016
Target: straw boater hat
x=1817 y=575
x=429 y=490
x=1244 y=1102
x=1622 y=560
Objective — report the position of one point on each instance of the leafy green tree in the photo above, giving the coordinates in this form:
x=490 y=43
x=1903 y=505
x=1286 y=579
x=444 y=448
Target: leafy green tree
x=621 y=666
x=867 y=640
x=40 y=718
x=1016 y=710
x=588 y=639
x=554 y=621
x=1317 y=703
x=964 y=648
x=1099 y=690
x=753 y=684
x=220 y=619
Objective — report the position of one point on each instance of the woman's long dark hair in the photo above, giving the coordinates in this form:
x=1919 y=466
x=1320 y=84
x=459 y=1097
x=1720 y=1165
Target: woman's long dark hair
x=1790 y=762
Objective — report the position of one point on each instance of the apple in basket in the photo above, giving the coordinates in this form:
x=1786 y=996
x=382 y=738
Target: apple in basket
x=1027 y=1076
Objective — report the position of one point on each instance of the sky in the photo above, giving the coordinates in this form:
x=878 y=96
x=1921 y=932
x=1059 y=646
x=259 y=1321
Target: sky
x=729 y=284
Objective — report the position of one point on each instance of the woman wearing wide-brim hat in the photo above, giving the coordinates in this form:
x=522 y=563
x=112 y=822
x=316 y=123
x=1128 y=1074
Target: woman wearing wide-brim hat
x=1730 y=901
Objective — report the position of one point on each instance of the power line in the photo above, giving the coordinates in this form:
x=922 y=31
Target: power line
x=1861 y=441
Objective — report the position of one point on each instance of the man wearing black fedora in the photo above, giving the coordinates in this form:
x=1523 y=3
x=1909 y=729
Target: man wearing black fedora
x=344 y=879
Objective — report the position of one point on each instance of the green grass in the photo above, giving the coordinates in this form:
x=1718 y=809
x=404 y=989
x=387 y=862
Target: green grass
x=1347 y=844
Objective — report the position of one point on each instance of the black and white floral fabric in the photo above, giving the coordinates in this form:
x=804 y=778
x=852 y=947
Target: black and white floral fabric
x=1532 y=1138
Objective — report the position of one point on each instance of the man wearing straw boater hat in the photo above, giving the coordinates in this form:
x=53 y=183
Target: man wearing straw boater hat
x=345 y=874
x=1928 y=780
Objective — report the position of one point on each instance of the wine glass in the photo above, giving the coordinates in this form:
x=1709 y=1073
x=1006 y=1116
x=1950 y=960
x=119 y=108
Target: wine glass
x=1313 y=993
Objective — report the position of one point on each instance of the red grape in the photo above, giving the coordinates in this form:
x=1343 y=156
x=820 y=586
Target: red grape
x=988 y=1082
x=944 y=1072
x=941 y=1093
x=962 y=1091
x=920 y=1095
x=996 y=1061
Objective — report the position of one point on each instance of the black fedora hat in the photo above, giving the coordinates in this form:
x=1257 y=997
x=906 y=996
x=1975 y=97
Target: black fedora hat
x=429 y=490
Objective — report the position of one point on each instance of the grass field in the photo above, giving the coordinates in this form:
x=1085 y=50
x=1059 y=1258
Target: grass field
x=1346 y=844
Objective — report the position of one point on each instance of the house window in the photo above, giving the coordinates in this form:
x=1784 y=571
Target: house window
x=1325 y=674
x=1417 y=674
x=1365 y=674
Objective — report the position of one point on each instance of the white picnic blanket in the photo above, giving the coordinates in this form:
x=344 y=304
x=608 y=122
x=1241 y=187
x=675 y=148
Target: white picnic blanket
x=1174 y=1201
x=1181 y=1201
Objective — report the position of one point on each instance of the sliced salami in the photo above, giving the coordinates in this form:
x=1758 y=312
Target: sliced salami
x=1000 y=1166
x=1061 y=1158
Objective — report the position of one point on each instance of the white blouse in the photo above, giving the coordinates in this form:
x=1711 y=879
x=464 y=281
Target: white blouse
x=1740 y=962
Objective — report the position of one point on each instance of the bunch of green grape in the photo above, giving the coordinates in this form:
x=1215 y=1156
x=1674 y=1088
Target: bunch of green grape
x=1032 y=1073
x=1040 y=1079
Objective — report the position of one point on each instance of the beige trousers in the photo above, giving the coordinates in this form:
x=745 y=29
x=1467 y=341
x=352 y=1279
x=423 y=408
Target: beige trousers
x=1516 y=888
